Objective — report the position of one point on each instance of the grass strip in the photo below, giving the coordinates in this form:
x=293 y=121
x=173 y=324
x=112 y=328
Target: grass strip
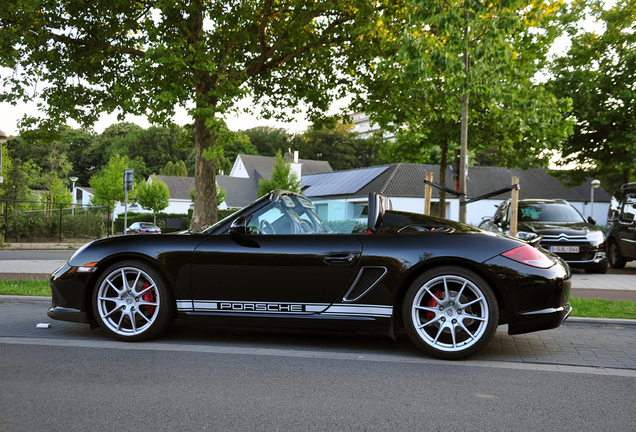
x=25 y=287
x=601 y=308
x=598 y=308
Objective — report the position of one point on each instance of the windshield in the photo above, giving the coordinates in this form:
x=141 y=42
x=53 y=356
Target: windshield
x=295 y=214
x=548 y=212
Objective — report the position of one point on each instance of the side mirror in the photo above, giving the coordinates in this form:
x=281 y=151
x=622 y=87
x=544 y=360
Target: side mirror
x=591 y=220
x=239 y=226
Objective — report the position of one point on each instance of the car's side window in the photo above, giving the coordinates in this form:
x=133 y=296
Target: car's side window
x=270 y=220
x=629 y=209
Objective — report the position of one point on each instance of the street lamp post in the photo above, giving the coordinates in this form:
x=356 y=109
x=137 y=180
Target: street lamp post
x=595 y=184
x=73 y=179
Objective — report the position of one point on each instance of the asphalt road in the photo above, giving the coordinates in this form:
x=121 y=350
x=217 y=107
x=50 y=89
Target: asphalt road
x=67 y=377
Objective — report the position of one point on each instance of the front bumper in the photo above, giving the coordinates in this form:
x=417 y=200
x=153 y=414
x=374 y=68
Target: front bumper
x=70 y=300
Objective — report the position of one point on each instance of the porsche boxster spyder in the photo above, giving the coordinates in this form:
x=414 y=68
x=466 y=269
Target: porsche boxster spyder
x=285 y=261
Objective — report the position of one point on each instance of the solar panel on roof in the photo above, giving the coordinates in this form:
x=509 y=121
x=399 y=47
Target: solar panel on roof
x=339 y=183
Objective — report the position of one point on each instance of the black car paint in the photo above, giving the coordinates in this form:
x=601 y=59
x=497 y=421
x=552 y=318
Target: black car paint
x=202 y=266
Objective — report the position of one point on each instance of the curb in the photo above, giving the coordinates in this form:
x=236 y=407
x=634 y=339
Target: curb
x=569 y=321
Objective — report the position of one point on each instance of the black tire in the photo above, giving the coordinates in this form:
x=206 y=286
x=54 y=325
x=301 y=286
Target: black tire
x=614 y=256
x=450 y=312
x=140 y=309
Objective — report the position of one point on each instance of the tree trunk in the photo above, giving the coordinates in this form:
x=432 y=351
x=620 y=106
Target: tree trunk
x=463 y=153
x=204 y=178
x=463 y=158
x=443 y=165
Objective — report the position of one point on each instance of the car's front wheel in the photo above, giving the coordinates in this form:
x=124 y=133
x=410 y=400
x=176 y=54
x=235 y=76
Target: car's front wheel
x=132 y=301
x=450 y=312
x=614 y=256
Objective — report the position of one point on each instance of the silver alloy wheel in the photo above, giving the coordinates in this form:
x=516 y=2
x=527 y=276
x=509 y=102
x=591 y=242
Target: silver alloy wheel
x=128 y=301
x=450 y=313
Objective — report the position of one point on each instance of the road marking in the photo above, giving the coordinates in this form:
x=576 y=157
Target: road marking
x=389 y=358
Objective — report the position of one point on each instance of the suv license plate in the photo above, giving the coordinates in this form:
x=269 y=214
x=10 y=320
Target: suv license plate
x=564 y=249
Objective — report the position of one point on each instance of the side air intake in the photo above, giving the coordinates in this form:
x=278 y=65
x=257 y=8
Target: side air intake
x=367 y=279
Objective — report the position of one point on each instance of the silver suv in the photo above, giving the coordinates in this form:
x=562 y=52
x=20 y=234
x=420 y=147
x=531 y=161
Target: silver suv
x=621 y=226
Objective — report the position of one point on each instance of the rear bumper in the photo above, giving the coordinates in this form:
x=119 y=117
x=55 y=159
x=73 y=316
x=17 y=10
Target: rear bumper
x=544 y=319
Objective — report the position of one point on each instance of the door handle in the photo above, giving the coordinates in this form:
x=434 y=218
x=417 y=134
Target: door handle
x=340 y=259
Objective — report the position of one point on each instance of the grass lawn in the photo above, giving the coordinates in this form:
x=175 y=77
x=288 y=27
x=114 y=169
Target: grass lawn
x=581 y=308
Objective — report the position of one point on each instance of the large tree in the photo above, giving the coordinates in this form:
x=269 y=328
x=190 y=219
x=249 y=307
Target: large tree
x=598 y=72
x=146 y=58
x=466 y=68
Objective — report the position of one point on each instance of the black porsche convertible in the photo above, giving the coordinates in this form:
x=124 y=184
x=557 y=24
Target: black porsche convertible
x=285 y=261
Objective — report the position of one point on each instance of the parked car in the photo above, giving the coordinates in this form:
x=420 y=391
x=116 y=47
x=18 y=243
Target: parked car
x=276 y=263
x=143 y=228
x=563 y=228
x=621 y=226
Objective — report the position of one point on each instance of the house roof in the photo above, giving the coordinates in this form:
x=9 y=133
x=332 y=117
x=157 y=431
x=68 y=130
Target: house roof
x=180 y=187
x=239 y=192
x=407 y=180
x=242 y=191
x=262 y=166
x=86 y=189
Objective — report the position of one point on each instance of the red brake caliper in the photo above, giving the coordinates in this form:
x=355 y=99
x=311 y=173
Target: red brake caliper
x=432 y=303
x=149 y=297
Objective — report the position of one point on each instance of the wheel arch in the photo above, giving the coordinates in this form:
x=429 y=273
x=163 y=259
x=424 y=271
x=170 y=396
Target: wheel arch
x=107 y=262
x=398 y=319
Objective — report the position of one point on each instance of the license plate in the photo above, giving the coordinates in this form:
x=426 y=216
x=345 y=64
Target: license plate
x=564 y=249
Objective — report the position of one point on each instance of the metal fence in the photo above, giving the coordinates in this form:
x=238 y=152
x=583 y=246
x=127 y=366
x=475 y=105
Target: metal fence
x=51 y=221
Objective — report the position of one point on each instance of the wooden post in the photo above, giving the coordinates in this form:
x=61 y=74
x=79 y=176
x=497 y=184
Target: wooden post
x=428 y=192
x=514 y=203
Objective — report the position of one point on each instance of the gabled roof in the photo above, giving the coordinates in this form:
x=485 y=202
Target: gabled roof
x=180 y=187
x=86 y=189
x=239 y=192
x=262 y=166
x=407 y=180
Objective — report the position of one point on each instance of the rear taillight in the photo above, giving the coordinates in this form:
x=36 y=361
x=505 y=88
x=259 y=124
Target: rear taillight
x=528 y=255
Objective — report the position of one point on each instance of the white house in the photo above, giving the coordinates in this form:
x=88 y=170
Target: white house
x=346 y=192
x=404 y=185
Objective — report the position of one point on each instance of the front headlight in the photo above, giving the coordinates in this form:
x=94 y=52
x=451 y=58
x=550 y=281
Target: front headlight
x=527 y=236
x=596 y=237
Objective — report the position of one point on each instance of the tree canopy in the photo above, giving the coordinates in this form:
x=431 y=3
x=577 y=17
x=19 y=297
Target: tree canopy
x=448 y=71
x=146 y=58
x=153 y=195
x=597 y=73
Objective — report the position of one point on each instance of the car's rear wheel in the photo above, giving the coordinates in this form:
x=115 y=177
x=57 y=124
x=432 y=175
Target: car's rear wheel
x=450 y=312
x=614 y=256
x=132 y=301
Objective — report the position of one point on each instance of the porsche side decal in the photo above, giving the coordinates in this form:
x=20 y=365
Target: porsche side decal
x=337 y=309
x=257 y=307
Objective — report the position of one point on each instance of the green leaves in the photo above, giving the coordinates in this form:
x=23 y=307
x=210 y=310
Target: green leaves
x=153 y=195
x=597 y=73
x=282 y=177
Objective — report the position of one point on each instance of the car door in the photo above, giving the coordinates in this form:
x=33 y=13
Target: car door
x=284 y=273
x=627 y=225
